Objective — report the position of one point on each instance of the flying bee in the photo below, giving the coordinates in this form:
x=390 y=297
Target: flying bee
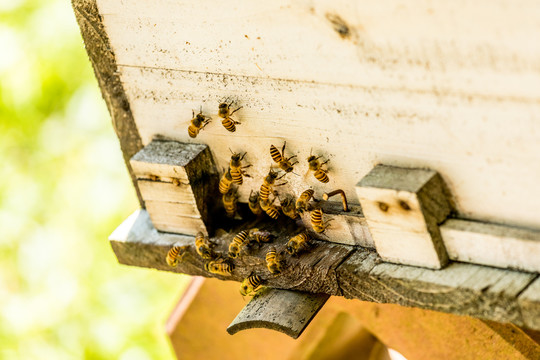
x=198 y=123
x=220 y=267
x=302 y=202
x=230 y=202
x=268 y=184
x=225 y=112
x=260 y=236
x=253 y=202
x=236 y=168
x=274 y=261
x=270 y=209
x=317 y=221
x=315 y=166
x=225 y=182
x=175 y=254
x=288 y=207
x=204 y=246
x=279 y=157
x=251 y=285
x=298 y=243
x=238 y=243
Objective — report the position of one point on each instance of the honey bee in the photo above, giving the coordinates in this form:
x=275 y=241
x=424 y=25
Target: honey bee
x=230 y=200
x=319 y=173
x=302 y=202
x=238 y=242
x=274 y=261
x=288 y=207
x=204 y=246
x=254 y=205
x=175 y=254
x=279 y=157
x=317 y=221
x=225 y=113
x=260 y=236
x=154 y=177
x=268 y=184
x=236 y=168
x=225 y=182
x=251 y=285
x=220 y=267
x=298 y=244
x=198 y=123
x=270 y=209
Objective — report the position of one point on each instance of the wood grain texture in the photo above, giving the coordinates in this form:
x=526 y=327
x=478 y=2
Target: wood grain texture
x=103 y=59
x=491 y=244
x=462 y=99
x=282 y=310
x=403 y=208
x=335 y=269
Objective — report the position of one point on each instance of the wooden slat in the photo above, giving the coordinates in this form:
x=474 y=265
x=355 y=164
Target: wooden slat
x=172 y=209
x=336 y=269
x=282 y=310
x=160 y=191
x=491 y=244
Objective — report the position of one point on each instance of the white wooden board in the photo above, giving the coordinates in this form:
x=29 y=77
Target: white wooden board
x=454 y=87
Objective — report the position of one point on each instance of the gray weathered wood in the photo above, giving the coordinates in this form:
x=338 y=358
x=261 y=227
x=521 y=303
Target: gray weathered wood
x=103 y=60
x=359 y=273
x=282 y=310
x=403 y=208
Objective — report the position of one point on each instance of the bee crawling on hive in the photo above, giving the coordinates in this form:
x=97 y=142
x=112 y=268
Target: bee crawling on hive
x=302 y=203
x=230 y=202
x=270 y=209
x=253 y=202
x=260 y=236
x=279 y=157
x=288 y=207
x=236 y=168
x=317 y=221
x=268 y=184
x=198 y=123
x=274 y=261
x=238 y=243
x=251 y=285
x=225 y=182
x=204 y=246
x=220 y=267
x=316 y=166
x=175 y=254
x=224 y=111
x=298 y=244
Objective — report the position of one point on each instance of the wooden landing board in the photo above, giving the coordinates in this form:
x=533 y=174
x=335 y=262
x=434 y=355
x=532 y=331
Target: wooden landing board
x=462 y=99
x=335 y=269
x=282 y=310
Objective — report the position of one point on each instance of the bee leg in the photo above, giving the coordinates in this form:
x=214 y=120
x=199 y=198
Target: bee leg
x=291 y=157
x=325 y=162
x=243 y=167
x=242 y=158
x=235 y=110
x=283 y=148
x=192 y=113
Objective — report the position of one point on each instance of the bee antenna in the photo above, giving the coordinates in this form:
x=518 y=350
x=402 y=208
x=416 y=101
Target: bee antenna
x=295 y=173
x=231 y=151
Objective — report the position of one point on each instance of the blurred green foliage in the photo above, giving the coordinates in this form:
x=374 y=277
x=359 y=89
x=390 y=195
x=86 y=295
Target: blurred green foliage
x=63 y=190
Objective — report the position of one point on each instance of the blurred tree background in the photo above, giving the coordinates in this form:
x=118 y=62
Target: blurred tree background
x=64 y=188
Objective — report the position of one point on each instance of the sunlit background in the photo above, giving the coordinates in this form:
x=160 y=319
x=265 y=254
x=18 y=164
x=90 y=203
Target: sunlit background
x=63 y=190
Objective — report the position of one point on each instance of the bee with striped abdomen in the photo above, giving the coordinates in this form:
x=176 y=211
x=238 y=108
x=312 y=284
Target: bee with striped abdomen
x=230 y=202
x=274 y=261
x=198 y=123
x=220 y=267
x=260 y=236
x=317 y=221
x=279 y=157
x=236 y=168
x=224 y=111
x=268 y=185
x=316 y=166
x=302 y=203
x=204 y=246
x=289 y=207
x=238 y=243
x=175 y=254
x=253 y=202
x=270 y=209
x=251 y=285
x=298 y=244
x=225 y=182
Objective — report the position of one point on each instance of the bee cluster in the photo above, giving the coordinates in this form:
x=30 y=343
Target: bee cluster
x=262 y=202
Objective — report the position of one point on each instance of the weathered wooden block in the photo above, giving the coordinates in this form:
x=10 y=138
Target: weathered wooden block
x=349 y=228
x=403 y=208
x=176 y=181
x=529 y=302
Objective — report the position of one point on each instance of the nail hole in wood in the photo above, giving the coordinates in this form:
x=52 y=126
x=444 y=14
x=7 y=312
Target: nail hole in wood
x=383 y=206
x=404 y=205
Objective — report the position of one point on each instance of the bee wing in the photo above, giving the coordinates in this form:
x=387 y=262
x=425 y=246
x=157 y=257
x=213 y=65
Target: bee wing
x=183 y=123
x=306 y=175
